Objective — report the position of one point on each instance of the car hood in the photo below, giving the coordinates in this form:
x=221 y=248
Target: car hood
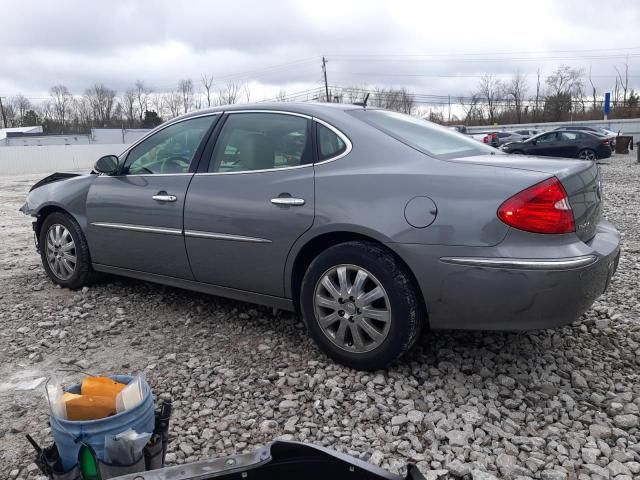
x=58 y=177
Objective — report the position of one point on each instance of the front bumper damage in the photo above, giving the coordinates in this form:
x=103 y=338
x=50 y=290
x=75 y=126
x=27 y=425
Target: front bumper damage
x=282 y=461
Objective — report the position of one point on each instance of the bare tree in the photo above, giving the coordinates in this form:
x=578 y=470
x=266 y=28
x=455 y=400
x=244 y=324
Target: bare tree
x=246 y=90
x=563 y=85
x=229 y=94
x=593 y=90
x=185 y=89
x=207 y=82
x=517 y=89
x=173 y=102
x=21 y=104
x=61 y=103
x=157 y=103
x=102 y=101
x=470 y=108
x=537 y=101
x=142 y=98
x=624 y=83
x=489 y=89
x=129 y=106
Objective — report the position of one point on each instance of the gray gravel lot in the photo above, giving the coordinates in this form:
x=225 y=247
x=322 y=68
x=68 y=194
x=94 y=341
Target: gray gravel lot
x=554 y=404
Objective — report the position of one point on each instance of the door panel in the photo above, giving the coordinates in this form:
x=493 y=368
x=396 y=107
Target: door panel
x=118 y=205
x=136 y=218
x=257 y=197
x=236 y=237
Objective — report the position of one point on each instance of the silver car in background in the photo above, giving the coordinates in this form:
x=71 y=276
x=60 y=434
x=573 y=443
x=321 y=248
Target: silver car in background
x=372 y=224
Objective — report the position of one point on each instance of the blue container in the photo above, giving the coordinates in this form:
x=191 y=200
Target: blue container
x=71 y=435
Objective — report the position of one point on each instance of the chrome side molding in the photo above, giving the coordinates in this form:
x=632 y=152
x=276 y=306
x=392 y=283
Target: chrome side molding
x=139 y=228
x=525 y=264
x=224 y=236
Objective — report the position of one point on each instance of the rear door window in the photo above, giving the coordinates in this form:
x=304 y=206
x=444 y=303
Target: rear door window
x=261 y=141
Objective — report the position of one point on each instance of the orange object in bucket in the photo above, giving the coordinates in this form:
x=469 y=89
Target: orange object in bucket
x=101 y=387
x=88 y=407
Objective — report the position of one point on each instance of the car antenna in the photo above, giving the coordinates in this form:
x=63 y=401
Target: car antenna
x=363 y=104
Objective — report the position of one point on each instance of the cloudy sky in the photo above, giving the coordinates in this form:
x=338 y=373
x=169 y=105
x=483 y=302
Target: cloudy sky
x=430 y=47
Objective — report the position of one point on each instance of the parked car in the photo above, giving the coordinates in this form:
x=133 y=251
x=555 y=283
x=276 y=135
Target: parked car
x=459 y=128
x=371 y=223
x=563 y=143
x=603 y=132
x=528 y=132
x=495 y=139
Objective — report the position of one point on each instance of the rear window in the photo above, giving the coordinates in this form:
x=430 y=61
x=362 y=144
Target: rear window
x=425 y=136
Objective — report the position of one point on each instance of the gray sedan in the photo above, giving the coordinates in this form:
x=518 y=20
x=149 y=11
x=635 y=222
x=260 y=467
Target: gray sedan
x=371 y=224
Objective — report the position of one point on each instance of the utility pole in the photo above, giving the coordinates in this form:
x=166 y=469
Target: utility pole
x=4 y=117
x=326 y=85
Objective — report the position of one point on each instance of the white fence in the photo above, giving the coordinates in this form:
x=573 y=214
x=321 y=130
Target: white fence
x=53 y=158
x=629 y=126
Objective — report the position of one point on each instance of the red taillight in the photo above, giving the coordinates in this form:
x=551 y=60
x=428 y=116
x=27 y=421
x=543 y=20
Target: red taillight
x=543 y=208
x=485 y=139
x=494 y=136
x=605 y=142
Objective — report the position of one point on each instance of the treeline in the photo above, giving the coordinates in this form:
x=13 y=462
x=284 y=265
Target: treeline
x=102 y=107
x=568 y=94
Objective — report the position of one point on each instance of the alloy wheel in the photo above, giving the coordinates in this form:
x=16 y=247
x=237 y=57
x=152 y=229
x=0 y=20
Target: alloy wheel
x=61 y=251
x=352 y=308
x=587 y=155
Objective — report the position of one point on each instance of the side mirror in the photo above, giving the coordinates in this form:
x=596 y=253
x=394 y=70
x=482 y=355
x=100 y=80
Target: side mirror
x=107 y=165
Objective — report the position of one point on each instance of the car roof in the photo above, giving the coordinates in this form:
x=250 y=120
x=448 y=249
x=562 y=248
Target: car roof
x=306 y=108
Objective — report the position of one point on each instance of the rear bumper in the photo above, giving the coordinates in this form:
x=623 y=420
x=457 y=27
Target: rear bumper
x=464 y=290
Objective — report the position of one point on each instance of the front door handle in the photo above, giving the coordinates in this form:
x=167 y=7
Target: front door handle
x=164 y=197
x=290 y=201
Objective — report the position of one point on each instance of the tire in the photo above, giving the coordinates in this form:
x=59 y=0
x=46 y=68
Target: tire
x=587 y=154
x=58 y=230
x=379 y=272
x=517 y=152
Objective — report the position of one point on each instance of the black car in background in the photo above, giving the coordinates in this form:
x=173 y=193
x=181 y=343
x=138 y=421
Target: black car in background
x=603 y=132
x=565 y=143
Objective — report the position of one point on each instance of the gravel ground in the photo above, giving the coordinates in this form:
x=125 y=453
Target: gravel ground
x=551 y=404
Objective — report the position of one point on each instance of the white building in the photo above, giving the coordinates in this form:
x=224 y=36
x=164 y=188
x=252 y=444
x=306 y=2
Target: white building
x=113 y=136
x=5 y=131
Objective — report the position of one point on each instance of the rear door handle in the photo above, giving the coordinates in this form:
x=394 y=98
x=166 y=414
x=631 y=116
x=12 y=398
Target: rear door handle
x=294 y=202
x=164 y=197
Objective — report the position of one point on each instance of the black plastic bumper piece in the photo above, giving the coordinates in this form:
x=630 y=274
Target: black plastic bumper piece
x=279 y=461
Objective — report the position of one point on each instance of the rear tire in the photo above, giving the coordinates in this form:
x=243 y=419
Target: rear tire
x=587 y=154
x=360 y=305
x=64 y=251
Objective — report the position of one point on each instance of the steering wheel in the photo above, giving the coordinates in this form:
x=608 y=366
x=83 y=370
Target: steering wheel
x=180 y=164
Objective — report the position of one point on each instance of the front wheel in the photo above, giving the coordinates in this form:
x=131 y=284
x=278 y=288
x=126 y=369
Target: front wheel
x=587 y=154
x=360 y=305
x=64 y=251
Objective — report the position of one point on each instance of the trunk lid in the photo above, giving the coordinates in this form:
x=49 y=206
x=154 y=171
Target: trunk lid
x=580 y=178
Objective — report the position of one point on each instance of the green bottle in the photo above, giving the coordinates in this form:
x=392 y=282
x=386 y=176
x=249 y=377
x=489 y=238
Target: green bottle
x=88 y=464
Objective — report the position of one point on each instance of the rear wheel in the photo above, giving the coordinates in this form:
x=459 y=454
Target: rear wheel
x=64 y=251
x=360 y=305
x=587 y=154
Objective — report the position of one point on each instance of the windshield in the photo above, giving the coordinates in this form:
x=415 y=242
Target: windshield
x=427 y=137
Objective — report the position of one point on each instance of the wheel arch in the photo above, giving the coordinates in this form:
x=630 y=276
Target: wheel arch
x=45 y=211
x=308 y=250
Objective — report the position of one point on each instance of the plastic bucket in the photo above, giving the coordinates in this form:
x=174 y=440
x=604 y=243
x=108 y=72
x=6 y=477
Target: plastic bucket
x=71 y=435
